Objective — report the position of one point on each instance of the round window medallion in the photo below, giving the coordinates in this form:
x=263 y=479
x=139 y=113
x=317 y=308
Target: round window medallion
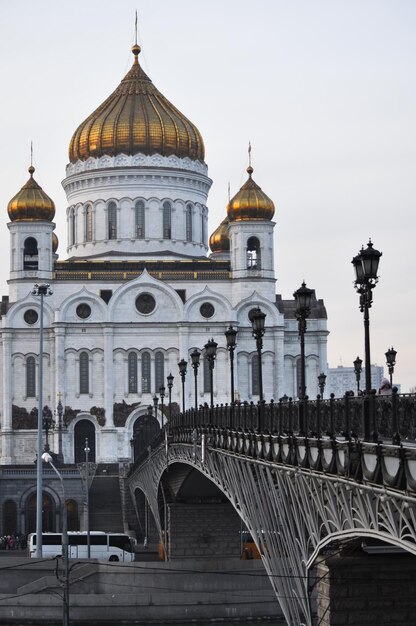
x=30 y=316
x=83 y=310
x=207 y=310
x=145 y=303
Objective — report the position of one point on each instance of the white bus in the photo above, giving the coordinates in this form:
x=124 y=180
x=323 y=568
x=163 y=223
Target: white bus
x=108 y=546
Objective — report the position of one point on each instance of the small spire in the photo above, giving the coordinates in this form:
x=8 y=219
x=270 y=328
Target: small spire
x=249 y=169
x=31 y=168
x=229 y=191
x=136 y=48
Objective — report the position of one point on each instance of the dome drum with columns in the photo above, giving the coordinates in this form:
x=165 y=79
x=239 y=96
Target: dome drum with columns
x=139 y=289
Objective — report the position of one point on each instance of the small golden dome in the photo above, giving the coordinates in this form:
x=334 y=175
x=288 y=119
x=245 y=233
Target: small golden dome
x=31 y=203
x=55 y=242
x=220 y=238
x=250 y=203
x=136 y=118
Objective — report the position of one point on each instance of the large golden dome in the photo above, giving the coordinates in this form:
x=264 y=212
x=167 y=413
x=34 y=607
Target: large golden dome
x=250 y=203
x=220 y=238
x=136 y=118
x=31 y=203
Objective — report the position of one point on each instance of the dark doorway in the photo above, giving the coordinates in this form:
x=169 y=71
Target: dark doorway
x=9 y=518
x=145 y=429
x=72 y=515
x=48 y=514
x=82 y=431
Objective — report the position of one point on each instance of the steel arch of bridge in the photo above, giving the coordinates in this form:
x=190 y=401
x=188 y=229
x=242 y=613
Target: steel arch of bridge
x=291 y=512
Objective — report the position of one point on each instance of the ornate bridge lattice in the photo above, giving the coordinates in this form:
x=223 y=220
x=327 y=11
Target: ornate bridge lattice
x=295 y=494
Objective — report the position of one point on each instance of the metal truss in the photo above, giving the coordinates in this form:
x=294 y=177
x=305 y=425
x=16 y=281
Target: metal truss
x=291 y=512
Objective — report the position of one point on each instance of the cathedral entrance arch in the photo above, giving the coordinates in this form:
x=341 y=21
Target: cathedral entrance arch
x=145 y=428
x=83 y=430
x=48 y=514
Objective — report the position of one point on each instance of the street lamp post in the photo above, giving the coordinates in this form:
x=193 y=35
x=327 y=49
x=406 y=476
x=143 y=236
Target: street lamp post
x=155 y=403
x=195 y=356
x=231 y=337
x=60 y=411
x=257 y=318
x=366 y=266
x=182 y=371
x=211 y=353
x=87 y=473
x=391 y=362
x=303 y=297
x=358 y=369
x=321 y=383
x=47 y=422
x=170 y=385
x=41 y=290
x=46 y=457
x=162 y=391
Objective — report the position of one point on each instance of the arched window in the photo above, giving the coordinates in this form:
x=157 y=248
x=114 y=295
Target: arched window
x=112 y=220
x=88 y=223
x=139 y=217
x=146 y=374
x=84 y=383
x=72 y=232
x=132 y=372
x=253 y=254
x=30 y=254
x=207 y=376
x=159 y=371
x=255 y=381
x=189 y=223
x=167 y=220
x=30 y=377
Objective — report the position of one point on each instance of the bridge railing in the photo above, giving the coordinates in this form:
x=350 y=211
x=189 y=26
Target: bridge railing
x=368 y=438
x=390 y=417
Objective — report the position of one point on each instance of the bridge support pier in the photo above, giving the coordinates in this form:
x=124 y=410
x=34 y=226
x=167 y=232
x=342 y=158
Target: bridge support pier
x=367 y=589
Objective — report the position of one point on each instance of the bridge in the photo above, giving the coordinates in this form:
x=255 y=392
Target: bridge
x=304 y=478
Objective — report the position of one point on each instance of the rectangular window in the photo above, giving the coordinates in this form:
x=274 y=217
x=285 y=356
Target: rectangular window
x=132 y=365
x=255 y=379
x=83 y=373
x=207 y=376
x=146 y=379
x=140 y=230
x=31 y=377
x=112 y=220
x=159 y=371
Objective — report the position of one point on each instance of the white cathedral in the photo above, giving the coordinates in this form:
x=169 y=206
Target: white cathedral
x=143 y=287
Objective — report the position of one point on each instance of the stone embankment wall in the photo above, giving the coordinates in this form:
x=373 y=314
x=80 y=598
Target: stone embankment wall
x=140 y=592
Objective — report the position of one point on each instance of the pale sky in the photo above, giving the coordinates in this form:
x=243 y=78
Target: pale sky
x=324 y=90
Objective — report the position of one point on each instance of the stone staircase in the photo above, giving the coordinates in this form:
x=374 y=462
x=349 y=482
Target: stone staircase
x=105 y=499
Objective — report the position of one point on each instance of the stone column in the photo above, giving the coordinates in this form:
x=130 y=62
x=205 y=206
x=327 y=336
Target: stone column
x=108 y=377
x=6 y=422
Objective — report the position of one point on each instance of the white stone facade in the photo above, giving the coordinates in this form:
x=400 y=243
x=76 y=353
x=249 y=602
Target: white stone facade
x=137 y=294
